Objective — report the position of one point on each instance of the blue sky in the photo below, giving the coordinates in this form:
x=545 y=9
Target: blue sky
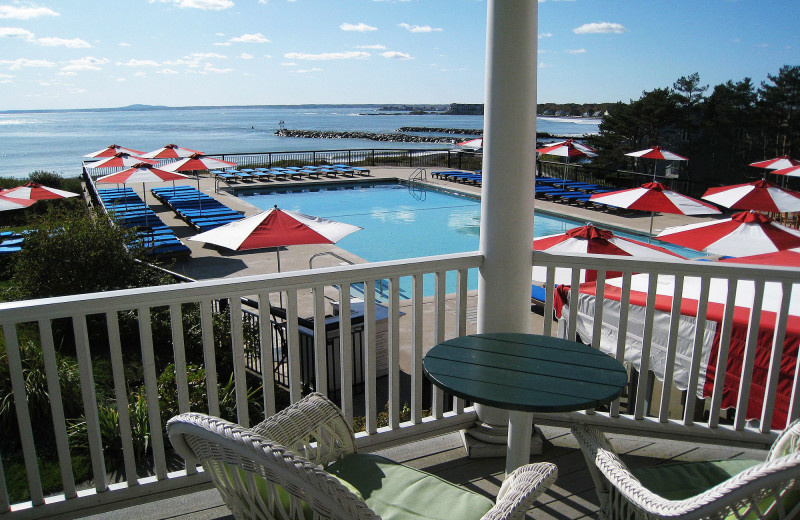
x=101 y=53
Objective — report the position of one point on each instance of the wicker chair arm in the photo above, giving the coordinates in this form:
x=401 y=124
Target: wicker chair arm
x=745 y=489
x=520 y=490
x=313 y=427
x=787 y=442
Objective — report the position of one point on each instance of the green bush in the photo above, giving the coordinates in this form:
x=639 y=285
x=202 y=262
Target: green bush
x=49 y=473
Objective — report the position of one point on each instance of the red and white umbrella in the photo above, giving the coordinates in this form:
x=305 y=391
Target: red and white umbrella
x=276 y=228
x=593 y=240
x=568 y=148
x=657 y=152
x=653 y=197
x=8 y=203
x=120 y=160
x=791 y=171
x=744 y=234
x=112 y=150
x=786 y=258
x=472 y=144
x=195 y=163
x=760 y=195
x=141 y=172
x=171 y=151
x=777 y=163
x=35 y=191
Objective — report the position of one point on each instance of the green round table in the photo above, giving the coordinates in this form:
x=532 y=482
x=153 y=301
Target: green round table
x=525 y=373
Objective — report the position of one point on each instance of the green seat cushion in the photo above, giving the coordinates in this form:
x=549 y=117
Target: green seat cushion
x=397 y=492
x=678 y=481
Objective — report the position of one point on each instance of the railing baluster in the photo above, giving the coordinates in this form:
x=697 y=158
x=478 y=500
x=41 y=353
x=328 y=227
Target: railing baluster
x=672 y=350
x=416 y=351
x=749 y=356
x=574 y=297
x=267 y=359
x=57 y=408
x=438 y=328
x=209 y=357
x=181 y=379
x=320 y=342
x=4 y=502
x=778 y=337
x=293 y=340
x=643 y=387
x=370 y=360
x=622 y=333
x=23 y=414
x=346 y=351
x=697 y=351
x=394 y=352
x=121 y=395
x=550 y=288
x=461 y=319
x=151 y=390
x=722 y=354
x=239 y=372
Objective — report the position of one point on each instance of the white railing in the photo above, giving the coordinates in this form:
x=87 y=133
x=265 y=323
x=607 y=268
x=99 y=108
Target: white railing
x=202 y=323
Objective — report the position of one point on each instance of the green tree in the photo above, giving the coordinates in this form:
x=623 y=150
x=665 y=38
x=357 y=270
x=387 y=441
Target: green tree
x=729 y=129
x=779 y=103
x=72 y=253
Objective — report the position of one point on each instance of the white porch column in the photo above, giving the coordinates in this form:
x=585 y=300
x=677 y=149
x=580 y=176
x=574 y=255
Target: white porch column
x=509 y=161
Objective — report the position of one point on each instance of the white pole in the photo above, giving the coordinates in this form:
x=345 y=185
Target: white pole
x=509 y=162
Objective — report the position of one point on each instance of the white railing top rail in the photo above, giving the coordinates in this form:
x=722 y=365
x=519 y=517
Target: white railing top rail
x=63 y=306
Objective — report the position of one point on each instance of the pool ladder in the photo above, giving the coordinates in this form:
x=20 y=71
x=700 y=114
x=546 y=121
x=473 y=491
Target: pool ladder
x=357 y=289
x=416 y=188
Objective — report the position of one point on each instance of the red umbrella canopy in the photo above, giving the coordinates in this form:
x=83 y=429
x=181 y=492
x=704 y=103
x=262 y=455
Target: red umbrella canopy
x=657 y=152
x=654 y=196
x=744 y=234
x=35 y=191
x=760 y=195
x=786 y=258
x=113 y=150
x=8 y=203
x=777 y=163
x=568 y=148
x=141 y=172
x=791 y=171
x=472 y=144
x=593 y=240
x=197 y=162
x=275 y=228
x=120 y=160
x=171 y=151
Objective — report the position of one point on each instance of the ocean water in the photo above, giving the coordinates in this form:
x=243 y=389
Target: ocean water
x=56 y=141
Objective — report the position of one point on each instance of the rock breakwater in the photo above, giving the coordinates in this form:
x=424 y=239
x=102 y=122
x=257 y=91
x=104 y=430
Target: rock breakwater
x=372 y=136
x=460 y=131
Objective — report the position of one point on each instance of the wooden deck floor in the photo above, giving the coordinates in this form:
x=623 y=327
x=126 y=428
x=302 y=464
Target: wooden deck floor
x=572 y=497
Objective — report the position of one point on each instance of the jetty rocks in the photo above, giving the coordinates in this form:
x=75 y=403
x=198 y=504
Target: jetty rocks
x=372 y=136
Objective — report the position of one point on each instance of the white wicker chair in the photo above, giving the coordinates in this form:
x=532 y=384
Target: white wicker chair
x=276 y=469
x=759 y=492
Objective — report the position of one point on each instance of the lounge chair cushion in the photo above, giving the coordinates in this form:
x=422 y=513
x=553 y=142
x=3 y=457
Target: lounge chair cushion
x=398 y=492
x=680 y=481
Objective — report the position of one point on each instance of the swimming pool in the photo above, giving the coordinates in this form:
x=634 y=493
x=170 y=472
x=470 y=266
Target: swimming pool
x=400 y=222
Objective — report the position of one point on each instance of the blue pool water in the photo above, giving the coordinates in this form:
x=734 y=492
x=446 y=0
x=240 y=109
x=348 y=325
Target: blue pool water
x=400 y=223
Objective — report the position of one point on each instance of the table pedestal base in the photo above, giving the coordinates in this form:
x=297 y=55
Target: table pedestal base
x=484 y=440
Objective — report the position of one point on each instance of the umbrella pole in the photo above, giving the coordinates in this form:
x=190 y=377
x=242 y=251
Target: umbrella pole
x=650 y=235
x=278 y=253
x=200 y=203
x=144 y=195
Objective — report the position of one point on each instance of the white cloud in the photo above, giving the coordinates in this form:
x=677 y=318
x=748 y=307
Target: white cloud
x=376 y=47
x=223 y=44
x=206 y=55
x=359 y=27
x=122 y=79
x=288 y=64
x=67 y=73
x=211 y=69
x=419 y=28
x=74 y=43
x=347 y=55
x=140 y=63
x=167 y=71
x=600 y=28
x=124 y=44
x=15 y=32
x=87 y=63
x=250 y=38
x=575 y=51
x=19 y=12
x=396 y=55
x=246 y=56
x=20 y=63
x=140 y=73
x=545 y=35
x=761 y=45
x=76 y=90
x=306 y=71
x=211 y=5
